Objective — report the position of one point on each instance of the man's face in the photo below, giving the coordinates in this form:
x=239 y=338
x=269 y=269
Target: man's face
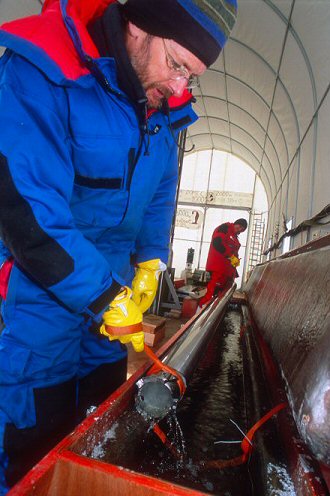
x=163 y=67
x=238 y=228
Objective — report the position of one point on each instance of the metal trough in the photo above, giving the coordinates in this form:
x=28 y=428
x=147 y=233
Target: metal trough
x=68 y=469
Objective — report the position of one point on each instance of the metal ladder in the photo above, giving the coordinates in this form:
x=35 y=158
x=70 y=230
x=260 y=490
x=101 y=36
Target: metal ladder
x=257 y=241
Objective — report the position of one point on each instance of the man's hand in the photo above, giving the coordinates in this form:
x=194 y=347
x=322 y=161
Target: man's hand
x=234 y=261
x=145 y=283
x=123 y=321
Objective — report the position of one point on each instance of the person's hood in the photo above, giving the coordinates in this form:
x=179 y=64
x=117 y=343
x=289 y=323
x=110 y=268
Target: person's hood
x=57 y=40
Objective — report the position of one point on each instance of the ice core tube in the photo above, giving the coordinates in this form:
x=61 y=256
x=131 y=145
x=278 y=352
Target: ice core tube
x=159 y=393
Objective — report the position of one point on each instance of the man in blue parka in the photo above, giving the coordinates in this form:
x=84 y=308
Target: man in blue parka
x=93 y=94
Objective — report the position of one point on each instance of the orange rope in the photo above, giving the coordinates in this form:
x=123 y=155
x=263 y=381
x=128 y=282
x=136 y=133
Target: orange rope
x=246 y=444
x=162 y=436
x=158 y=365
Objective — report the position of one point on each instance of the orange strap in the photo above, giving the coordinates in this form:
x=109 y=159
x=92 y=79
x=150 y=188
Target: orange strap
x=158 y=365
x=123 y=330
x=246 y=444
x=162 y=436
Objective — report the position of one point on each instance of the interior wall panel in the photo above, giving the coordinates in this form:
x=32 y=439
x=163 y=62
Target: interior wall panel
x=258 y=26
x=298 y=81
x=321 y=194
x=247 y=140
x=214 y=107
x=219 y=126
x=198 y=127
x=293 y=175
x=247 y=121
x=288 y=120
x=213 y=85
x=241 y=152
x=248 y=100
x=238 y=65
x=304 y=186
x=222 y=143
x=283 y=7
x=311 y=21
x=284 y=199
x=279 y=139
x=274 y=160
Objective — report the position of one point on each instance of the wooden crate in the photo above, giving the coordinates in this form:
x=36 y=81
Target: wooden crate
x=151 y=339
x=151 y=323
x=154 y=329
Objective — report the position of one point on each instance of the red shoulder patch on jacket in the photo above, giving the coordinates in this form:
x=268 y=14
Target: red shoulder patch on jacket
x=49 y=33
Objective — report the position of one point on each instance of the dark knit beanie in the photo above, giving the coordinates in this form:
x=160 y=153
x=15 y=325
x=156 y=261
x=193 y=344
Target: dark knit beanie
x=241 y=222
x=200 y=26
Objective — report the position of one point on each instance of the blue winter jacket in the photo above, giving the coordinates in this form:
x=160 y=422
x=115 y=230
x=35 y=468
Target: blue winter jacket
x=82 y=190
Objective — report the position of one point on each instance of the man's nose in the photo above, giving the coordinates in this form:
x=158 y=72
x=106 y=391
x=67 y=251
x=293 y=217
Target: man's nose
x=178 y=86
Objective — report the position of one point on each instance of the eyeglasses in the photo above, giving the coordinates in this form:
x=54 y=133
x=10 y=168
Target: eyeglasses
x=180 y=71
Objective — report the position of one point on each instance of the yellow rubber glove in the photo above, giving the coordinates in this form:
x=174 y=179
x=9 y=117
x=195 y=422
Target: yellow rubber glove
x=123 y=321
x=234 y=261
x=145 y=283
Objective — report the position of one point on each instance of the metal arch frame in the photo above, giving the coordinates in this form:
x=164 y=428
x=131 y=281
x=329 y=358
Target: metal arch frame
x=201 y=96
x=264 y=182
x=277 y=198
x=229 y=123
x=226 y=96
x=236 y=125
x=260 y=97
x=290 y=30
x=270 y=4
x=307 y=130
x=294 y=113
x=247 y=148
x=268 y=192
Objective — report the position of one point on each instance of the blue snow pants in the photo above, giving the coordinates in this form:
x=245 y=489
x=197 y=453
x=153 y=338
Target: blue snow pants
x=45 y=352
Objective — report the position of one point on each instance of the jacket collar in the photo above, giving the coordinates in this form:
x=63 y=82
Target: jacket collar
x=107 y=34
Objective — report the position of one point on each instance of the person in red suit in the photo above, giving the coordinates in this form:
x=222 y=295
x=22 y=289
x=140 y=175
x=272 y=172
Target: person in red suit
x=223 y=258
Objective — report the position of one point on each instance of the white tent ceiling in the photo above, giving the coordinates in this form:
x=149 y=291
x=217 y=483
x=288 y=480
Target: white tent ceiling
x=262 y=99
x=266 y=99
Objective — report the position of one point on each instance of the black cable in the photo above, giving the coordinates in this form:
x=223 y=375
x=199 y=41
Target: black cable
x=166 y=110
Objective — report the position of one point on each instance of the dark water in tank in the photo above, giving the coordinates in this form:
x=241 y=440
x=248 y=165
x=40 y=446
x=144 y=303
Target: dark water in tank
x=207 y=426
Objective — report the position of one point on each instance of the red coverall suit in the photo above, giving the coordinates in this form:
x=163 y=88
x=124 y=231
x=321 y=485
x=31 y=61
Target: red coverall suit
x=223 y=245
